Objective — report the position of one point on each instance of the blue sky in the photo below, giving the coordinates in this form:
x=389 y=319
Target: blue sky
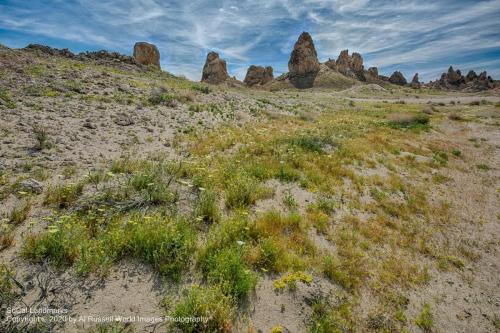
x=412 y=36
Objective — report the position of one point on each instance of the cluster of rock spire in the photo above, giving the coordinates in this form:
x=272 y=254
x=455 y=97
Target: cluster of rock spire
x=303 y=68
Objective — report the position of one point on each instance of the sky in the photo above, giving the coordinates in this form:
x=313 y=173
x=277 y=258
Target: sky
x=424 y=36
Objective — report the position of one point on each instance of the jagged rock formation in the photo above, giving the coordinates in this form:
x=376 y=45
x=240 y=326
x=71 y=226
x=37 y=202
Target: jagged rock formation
x=104 y=56
x=147 y=54
x=49 y=50
x=373 y=72
x=303 y=65
x=258 y=75
x=351 y=66
x=415 y=83
x=454 y=80
x=101 y=57
x=214 y=70
x=397 y=78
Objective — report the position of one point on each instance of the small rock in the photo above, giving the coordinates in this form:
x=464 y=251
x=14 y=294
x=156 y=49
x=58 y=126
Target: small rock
x=31 y=185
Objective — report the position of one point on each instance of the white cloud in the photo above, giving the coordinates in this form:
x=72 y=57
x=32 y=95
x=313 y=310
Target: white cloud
x=263 y=32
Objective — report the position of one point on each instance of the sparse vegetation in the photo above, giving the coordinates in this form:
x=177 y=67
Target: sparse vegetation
x=425 y=319
x=414 y=121
x=42 y=137
x=218 y=188
x=209 y=305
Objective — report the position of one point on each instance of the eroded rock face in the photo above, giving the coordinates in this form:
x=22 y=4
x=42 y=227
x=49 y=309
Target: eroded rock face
x=356 y=62
x=303 y=65
x=471 y=76
x=258 y=75
x=147 y=54
x=415 y=83
x=214 y=70
x=397 y=78
x=373 y=72
x=351 y=66
x=454 y=80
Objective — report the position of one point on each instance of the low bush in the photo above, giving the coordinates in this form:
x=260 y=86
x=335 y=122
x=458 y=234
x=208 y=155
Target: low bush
x=408 y=120
x=214 y=309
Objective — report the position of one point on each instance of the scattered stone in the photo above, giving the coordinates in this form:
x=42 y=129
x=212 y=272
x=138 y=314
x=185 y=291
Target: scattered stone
x=147 y=54
x=88 y=124
x=124 y=121
x=303 y=65
x=397 y=78
x=258 y=75
x=214 y=70
x=31 y=185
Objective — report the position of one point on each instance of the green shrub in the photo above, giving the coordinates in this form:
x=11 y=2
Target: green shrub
x=268 y=255
x=20 y=213
x=228 y=270
x=166 y=245
x=331 y=318
x=75 y=239
x=440 y=157
x=63 y=196
x=6 y=100
x=483 y=167
x=208 y=304
x=310 y=142
x=60 y=244
x=425 y=319
x=207 y=207
x=407 y=120
x=161 y=97
x=7 y=292
x=243 y=191
x=42 y=137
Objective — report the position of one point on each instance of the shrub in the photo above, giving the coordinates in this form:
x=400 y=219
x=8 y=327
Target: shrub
x=166 y=245
x=243 y=191
x=7 y=293
x=267 y=255
x=440 y=157
x=208 y=304
x=227 y=269
x=6 y=236
x=60 y=244
x=63 y=196
x=425 y=319
x=162 y=97
x=328 y=317
x=407 y=120
x=483 y=167
x=20 y=213
x=6 y=100
x=207 y=208
x=42 y=137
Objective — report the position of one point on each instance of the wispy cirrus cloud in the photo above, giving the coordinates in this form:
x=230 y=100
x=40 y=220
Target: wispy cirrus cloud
x=424 y=36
